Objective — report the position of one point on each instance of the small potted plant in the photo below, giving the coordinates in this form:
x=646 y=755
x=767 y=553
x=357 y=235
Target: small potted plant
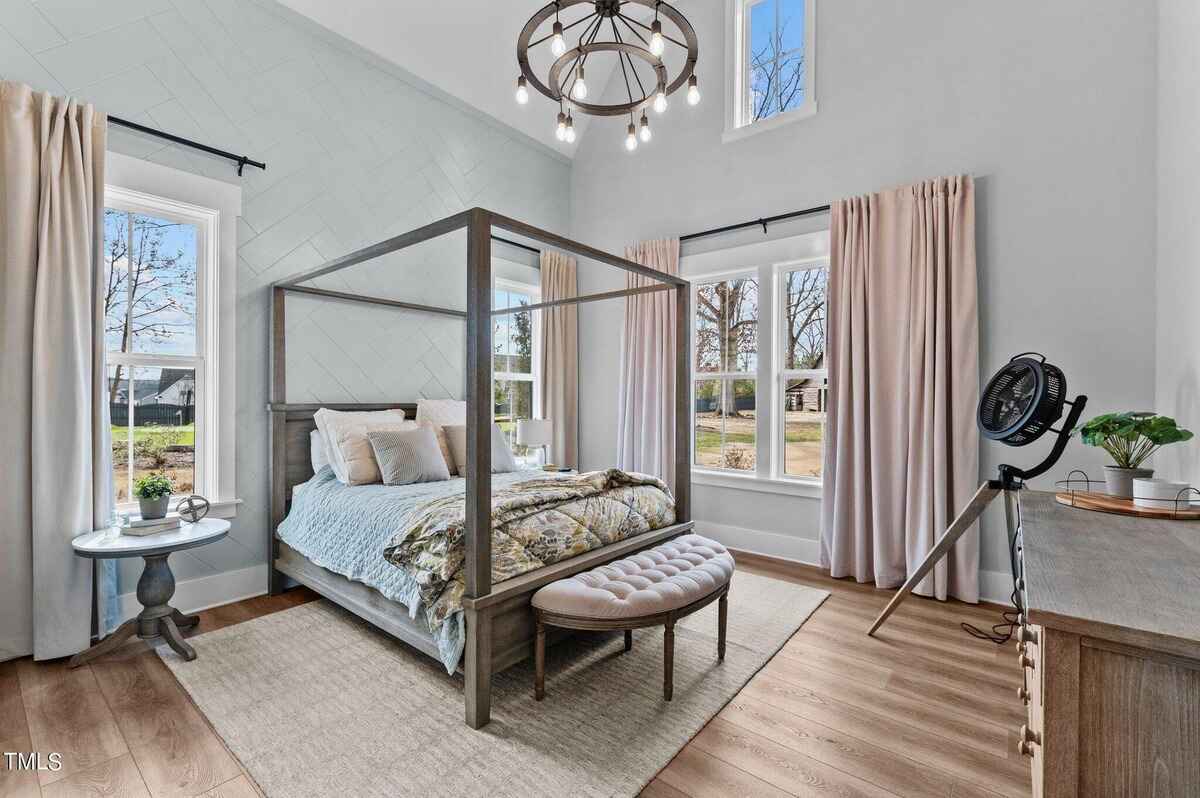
x=1130 y=438
x=153 y=493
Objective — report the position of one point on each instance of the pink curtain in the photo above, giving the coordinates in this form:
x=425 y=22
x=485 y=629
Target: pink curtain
x=646 y=419
x=902 y=451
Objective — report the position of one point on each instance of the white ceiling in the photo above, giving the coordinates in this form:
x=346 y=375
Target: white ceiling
x=468 y=49
x=465 y=47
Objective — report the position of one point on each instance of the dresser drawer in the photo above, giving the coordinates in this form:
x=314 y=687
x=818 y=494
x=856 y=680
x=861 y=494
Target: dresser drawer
x=1032 y=692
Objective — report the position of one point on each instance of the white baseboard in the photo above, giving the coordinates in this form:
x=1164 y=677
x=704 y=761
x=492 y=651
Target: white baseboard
x=201 y=593
x=994 y=586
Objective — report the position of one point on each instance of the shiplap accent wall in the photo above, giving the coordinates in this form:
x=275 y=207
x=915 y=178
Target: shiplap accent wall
x=357 y=150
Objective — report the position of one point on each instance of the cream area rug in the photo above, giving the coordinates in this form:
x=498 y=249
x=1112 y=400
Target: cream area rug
x=316 y=702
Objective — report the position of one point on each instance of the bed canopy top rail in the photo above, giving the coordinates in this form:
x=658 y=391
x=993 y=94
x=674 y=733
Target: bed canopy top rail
x=478 y=224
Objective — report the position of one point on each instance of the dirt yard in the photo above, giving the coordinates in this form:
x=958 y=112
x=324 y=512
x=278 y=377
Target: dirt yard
x=802 y=442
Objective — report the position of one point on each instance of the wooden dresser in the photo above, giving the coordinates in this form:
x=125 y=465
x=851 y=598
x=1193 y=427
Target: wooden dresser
x=1110 y=650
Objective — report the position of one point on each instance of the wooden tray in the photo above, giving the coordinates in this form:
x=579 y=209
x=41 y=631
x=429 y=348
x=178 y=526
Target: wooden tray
x=1103 y=503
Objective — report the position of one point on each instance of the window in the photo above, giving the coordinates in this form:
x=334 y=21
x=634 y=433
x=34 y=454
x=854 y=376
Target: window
x=760 y=381
x=726 y=374
x=772 y=66
x=803 y=378
x=515 y=363
x=159 y=258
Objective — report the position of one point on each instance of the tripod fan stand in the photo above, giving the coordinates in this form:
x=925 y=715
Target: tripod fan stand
x=1019 y=404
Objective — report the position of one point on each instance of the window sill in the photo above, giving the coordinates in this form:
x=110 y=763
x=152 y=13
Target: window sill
x=787 y=487
x=732 y=134
x=224 y=509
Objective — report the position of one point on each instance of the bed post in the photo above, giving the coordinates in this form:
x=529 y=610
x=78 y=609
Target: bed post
x=683 y=410
x=478 y=533
x=278 y=463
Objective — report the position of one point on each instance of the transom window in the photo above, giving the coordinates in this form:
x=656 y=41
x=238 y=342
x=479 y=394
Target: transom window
x=772 y=63
x=158 y=257
x=515 y=363
x=760 y=380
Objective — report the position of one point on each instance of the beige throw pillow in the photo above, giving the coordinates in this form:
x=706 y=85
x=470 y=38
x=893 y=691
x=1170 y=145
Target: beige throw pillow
x=502 y=456
x=439 y=413
x=346 y=443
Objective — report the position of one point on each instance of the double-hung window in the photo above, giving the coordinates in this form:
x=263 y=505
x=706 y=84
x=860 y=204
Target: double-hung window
x=771 y=64
x=760 y=381
x=160 y=260
x=515 y=361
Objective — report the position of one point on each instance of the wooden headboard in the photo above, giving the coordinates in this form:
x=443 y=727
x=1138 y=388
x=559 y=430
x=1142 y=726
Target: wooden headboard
x=291 y=455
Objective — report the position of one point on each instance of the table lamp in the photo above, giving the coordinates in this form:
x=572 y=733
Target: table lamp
x=535 y=433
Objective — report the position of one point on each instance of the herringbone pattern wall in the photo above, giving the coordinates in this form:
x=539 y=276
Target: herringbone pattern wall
x=357 y=151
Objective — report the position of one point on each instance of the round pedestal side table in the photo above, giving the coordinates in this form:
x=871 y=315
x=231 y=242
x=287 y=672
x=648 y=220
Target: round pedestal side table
x=158 y=619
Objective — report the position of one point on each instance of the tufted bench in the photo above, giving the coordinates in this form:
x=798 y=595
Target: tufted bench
x=653 y=587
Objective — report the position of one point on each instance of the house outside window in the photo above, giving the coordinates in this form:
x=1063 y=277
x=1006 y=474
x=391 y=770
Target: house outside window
x=515 y=362
x=159 y=259
x=760 y=385
x=770 y=64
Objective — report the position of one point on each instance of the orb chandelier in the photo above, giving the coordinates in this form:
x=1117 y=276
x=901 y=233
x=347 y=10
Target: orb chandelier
x=607 y=28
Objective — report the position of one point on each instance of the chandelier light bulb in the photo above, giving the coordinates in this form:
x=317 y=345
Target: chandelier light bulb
x=693 y=95
x=657 y=42
x=579 y=90
x=631 y=139
x=560 y=132
x=558 y=45
x=660 y=102
x=644 y=129
x=522 y=91
x=570 y=134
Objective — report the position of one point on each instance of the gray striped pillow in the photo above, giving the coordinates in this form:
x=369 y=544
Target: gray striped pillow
x=408 y=456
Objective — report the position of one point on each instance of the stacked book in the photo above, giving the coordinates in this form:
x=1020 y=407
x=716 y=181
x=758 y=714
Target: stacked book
x=149 y=526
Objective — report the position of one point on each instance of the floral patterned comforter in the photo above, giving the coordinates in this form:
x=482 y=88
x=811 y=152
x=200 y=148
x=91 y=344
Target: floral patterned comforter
x=535 y=522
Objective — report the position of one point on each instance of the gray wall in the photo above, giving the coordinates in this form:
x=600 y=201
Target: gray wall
x=1050 y=105
x=357 y=151
x=1178 y=340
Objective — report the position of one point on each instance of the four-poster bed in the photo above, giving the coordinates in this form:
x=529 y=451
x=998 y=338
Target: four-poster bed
x=499 y=621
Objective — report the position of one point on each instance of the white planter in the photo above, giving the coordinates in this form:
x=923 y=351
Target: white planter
x=1119 y=481
x=1158 y=494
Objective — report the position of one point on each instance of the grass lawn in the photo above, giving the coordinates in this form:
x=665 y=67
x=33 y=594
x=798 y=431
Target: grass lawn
x=187 y=433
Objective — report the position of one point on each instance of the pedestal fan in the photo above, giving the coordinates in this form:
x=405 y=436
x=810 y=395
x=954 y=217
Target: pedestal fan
x=1020 y=403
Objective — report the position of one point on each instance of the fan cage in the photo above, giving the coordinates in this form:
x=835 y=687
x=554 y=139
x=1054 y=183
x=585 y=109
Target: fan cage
x=1050 y=392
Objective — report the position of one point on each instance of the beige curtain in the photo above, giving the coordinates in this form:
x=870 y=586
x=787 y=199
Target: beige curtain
x=646 y=417
x=560 y=357
x=54 y=427
x=902 y=452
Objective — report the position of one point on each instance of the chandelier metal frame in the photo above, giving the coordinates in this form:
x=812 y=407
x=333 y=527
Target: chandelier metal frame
x=560 y=88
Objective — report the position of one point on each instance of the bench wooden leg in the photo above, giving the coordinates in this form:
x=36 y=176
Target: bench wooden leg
x=722 y=619
x=539 y=661
x=669 y=659
x=629 y=640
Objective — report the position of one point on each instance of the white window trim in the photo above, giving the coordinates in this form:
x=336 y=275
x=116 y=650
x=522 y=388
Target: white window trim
x=535 y=376
x=767 y=261
x=214 y=207
x=737 y=127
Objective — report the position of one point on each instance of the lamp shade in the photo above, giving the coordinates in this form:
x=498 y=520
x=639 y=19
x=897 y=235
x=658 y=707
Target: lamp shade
x=534 y=432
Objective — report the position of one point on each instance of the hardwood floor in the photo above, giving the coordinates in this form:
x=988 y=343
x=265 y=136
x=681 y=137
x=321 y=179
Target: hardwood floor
x=920 y=710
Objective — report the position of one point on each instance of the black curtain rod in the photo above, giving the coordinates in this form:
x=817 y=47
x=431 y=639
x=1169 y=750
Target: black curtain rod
x=756 y=223
x=517 y=244
x=241 y=160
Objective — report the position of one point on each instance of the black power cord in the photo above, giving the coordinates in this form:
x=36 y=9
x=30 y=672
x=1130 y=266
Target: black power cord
x=1002 y=632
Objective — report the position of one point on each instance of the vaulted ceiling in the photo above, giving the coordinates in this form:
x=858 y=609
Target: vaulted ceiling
x=465 y=47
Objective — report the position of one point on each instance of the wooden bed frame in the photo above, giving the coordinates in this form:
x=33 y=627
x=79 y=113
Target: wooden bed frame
x=499 y=619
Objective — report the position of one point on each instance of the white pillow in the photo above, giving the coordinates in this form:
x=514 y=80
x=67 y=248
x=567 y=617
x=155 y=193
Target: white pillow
x=317 y=451
x=346 y=443
x=408 y=457
x=502 y=456
x=439 y=413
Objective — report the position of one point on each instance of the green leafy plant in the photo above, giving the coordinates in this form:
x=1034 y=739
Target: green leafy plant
x=152 y=486
x=1129 y=438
